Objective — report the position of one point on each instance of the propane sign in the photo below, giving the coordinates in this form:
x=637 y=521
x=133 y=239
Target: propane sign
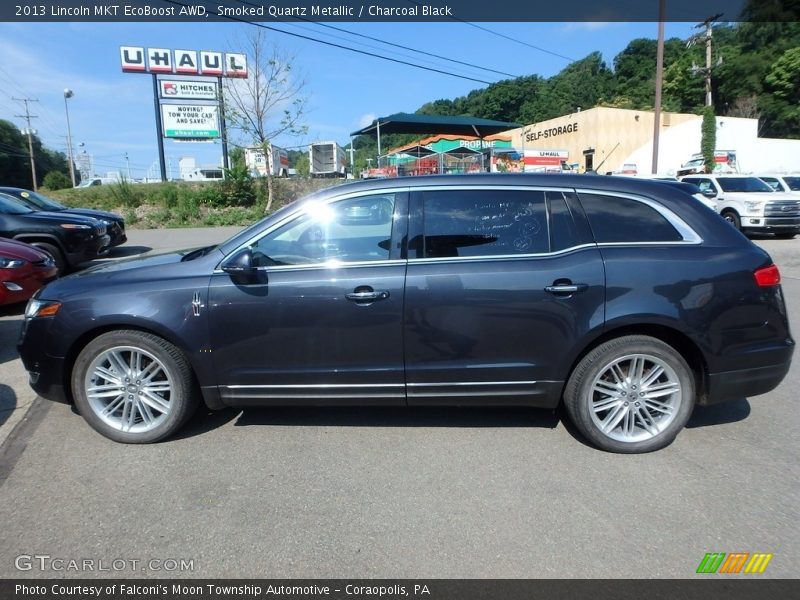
x=196 y=90
x=190 y=121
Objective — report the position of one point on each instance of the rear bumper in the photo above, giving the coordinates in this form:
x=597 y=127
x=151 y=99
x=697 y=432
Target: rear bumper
x=735 y=385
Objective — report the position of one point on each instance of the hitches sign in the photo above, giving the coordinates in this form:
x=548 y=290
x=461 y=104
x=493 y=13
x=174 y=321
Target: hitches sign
x=196 y=90
x=190 y=121
x=136 y=59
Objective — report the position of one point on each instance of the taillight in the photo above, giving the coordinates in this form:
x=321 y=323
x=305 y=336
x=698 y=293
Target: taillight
x=767 y=276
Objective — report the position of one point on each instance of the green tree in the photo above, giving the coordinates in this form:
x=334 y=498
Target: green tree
x=56 y=180
x=271 y=102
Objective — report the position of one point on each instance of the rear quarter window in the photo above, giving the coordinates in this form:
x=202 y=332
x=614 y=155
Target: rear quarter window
x=615 y=219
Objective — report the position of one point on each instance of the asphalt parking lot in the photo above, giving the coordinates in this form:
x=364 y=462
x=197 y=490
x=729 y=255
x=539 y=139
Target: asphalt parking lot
x=394 y=493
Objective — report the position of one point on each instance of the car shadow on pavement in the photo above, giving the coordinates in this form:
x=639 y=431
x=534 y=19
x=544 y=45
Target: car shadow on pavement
x=8 y=402
x=719 y=414
x=417 y=416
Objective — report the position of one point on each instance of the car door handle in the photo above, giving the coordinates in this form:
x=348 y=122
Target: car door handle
x=566 y=288
x=366 y=296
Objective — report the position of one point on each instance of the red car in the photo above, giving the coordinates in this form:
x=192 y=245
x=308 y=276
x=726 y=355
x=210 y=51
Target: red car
x=23 y=270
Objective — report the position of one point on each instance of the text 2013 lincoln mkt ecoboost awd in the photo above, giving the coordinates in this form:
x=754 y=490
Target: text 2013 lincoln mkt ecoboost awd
x=629 y=301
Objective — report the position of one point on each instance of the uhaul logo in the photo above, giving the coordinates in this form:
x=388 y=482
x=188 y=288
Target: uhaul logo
x=137 y=59
x=734 y=562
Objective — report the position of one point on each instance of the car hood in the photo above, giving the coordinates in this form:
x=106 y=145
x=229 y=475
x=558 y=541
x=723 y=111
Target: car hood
x=152 y=267
x=20 y=250
x=90 y=212
x=765 y=196
x=60 y=217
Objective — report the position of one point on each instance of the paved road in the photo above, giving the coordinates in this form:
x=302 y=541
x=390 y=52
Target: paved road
x=402 y=493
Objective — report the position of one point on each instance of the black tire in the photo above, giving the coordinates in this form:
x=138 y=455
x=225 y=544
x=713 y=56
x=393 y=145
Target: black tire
x=55 y=252
x=785 y=236
x=579 y=396
x=731 y=217
x=181 y=399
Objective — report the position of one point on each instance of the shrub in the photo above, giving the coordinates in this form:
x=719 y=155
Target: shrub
x=125 y=193
x=56 y=180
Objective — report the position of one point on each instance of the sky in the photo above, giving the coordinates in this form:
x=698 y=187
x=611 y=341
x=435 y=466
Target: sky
x=112 y=113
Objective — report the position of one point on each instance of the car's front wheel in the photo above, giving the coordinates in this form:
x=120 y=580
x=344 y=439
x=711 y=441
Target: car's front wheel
x=133 y=387
x=631 y=394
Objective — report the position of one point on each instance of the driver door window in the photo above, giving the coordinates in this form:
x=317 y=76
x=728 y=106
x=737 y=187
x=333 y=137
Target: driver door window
x=353 y=230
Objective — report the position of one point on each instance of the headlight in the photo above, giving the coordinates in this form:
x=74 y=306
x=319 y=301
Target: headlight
x=752 y=205
x=10 y=263
x=41 y=308
x=74 y=226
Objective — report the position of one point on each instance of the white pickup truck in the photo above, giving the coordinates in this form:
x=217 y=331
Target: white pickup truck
x=749 y=204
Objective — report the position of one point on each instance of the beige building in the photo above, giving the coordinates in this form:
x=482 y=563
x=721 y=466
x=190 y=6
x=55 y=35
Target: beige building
x=602 y=139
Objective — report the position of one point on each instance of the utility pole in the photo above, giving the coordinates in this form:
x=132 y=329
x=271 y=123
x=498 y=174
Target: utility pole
x=128 y=163
x=708 y=24
x=30 y=132
x=659 y=85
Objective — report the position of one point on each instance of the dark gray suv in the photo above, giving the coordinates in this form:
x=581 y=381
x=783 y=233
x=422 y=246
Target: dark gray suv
x=626 y=300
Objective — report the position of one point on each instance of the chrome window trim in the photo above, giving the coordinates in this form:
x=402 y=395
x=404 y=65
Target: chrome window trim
x=499 y=257
x=689 y=235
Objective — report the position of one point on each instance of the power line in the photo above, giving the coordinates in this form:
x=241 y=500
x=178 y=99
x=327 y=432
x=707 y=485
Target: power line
x=349 y=49
x=507 y=37
x=374 y=39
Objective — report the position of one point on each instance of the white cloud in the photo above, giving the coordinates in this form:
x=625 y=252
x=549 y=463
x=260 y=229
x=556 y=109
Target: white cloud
x=366 y=119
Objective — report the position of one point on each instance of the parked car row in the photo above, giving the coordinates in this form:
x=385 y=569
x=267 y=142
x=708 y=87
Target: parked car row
x=42 y=238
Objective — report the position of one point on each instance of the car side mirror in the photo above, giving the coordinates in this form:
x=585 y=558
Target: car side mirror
x=709 y=193
x=239 y=263
x=243 y=269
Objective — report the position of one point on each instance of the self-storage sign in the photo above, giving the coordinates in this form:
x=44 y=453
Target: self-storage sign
x=196 y=90
x=190 y=121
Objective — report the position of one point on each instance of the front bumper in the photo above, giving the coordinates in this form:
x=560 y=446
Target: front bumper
x=89 y=251
x=46 y=374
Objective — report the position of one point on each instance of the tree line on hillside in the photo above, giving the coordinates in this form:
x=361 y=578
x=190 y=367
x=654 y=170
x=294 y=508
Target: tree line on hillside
x=52 y=167
x=758 y=77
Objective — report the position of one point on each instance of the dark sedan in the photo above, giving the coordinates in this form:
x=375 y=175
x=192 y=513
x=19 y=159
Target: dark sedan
x=619 y=299
x=115 y=224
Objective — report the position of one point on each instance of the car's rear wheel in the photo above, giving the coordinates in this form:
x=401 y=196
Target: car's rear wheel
x=732 y=218
x=631 y=394
x=55 y=252
x=133 y=387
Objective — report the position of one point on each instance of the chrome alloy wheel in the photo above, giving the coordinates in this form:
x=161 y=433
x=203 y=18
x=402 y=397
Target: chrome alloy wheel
x=129 y=389
x=635 y=397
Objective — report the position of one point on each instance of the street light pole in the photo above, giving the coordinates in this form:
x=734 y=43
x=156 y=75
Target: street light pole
x=68 y=93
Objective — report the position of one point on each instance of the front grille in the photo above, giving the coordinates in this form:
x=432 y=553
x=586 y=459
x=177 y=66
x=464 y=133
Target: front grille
x=782 y=208
x=101 y=230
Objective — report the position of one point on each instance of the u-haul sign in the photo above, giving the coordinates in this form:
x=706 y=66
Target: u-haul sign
x=137 y=59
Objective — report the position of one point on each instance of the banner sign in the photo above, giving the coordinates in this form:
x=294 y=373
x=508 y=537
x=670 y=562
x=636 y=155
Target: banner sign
x=190 y=121
x=196 y=90
x=137 y=59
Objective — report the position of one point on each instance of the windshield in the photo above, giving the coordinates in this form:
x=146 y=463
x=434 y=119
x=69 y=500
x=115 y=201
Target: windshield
x=793 y=183
x=12 y=206
x=743 y=184
x=42 y=202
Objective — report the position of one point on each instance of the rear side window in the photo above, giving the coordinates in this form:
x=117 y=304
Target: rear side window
x=563 y=230
x=616 y=219
x=484 y=223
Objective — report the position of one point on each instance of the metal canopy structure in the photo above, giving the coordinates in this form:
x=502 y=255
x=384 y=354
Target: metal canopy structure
x=432 y=124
